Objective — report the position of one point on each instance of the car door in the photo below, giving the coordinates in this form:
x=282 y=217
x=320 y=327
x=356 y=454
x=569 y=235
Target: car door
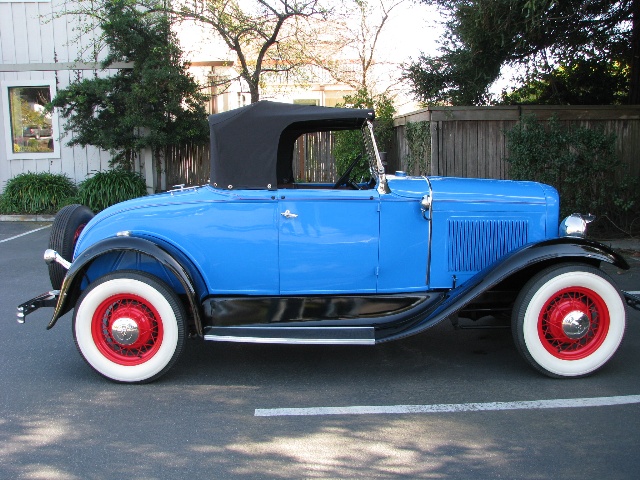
x=328 y=241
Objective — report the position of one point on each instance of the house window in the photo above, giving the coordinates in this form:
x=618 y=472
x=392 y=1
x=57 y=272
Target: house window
x=30 y=130
x=306 y=101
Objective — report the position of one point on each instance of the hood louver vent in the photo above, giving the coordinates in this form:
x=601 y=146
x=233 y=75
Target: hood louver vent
x=475 y=244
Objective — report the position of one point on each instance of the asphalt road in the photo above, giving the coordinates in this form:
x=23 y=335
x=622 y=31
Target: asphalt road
x=58 y=419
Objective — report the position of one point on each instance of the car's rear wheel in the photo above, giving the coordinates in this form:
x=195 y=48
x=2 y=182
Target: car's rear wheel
x=67 y=227
x=569 y=320
x=129 y=327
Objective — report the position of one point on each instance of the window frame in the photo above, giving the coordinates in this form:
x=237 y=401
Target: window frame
x=11 y=155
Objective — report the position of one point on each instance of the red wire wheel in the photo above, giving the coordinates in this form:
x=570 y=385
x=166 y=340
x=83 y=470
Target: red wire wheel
x=129 y=326
x=573 y=323
x=127 y=329
x=77 y=233
x=568 y=320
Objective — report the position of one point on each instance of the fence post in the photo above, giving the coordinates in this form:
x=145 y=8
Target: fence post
x=147 y=161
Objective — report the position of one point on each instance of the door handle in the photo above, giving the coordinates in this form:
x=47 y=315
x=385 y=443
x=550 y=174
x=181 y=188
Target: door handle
x=288 y=214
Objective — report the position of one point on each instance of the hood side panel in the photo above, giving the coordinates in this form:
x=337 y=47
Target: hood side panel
x=475 y=222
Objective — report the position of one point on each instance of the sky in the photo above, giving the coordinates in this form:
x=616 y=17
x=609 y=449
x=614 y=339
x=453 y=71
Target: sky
x=413 y=28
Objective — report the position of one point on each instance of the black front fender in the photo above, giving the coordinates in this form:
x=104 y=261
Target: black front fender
x=71 y=284
x=563 y=249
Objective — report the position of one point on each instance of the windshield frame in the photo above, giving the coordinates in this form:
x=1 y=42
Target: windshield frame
x=375 y=162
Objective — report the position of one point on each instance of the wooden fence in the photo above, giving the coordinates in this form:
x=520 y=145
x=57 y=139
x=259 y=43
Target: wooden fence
x=471 y=142
x=313 y=161
x=313 y=158
x=187 y=164
x=457 y=141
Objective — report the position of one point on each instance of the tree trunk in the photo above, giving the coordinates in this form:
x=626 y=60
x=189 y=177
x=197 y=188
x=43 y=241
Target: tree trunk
x=634 y=86
x=254 y=90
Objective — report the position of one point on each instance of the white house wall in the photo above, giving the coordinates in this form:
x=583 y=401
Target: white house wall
x=36 y=47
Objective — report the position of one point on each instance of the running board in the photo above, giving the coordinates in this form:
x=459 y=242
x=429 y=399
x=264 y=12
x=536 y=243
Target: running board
x=293 y=335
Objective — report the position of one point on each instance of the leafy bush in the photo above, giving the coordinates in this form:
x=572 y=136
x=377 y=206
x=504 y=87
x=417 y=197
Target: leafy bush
x=580 y=163
x=349 y=143
x=104 y=189
x=33 y=193
x=418 y=161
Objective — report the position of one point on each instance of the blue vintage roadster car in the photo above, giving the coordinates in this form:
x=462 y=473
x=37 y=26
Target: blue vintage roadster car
x=259 y=256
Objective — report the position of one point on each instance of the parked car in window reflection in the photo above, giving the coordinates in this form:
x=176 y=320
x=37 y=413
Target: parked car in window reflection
x=36 y=131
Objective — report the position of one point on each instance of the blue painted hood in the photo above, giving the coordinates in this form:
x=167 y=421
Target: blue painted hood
x=409 y=187
x=447 y=190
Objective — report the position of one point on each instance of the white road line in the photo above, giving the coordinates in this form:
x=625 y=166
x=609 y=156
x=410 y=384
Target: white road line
x=25 y=233
x=451 y=408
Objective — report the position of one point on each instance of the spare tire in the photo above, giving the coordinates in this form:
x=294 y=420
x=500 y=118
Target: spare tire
x=67 y=226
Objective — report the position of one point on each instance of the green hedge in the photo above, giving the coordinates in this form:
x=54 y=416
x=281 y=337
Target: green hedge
x=37 y=193
x=107 y=188
x=46 y=193
x=581 y=163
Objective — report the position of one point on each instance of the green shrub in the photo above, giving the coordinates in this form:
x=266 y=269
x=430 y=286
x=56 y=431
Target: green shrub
x=36 y=193
x=104 y=189
x=349 y=143
x=418 y=161
x=580 y=163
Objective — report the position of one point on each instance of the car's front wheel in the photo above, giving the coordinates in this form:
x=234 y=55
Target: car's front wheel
x=569 y=320
x=129 y=326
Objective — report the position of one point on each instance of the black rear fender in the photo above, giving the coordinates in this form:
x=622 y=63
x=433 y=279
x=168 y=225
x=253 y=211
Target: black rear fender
x=127 y=253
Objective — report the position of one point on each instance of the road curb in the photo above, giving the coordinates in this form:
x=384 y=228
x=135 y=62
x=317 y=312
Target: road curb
x=625 y=244
x=27 y=218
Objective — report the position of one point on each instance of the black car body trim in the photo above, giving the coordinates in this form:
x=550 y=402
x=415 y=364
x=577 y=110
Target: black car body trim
x=563 y=249
x=338 y=310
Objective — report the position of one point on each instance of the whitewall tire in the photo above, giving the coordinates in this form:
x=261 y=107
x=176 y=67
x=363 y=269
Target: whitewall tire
x=129 y=326
x=569 y=320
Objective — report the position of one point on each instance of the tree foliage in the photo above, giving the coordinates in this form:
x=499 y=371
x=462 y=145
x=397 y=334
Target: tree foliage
x=485 y=35
x=584 y=82
x=153 y=104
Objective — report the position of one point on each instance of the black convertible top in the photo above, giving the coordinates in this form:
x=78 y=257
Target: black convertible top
x=252 y=146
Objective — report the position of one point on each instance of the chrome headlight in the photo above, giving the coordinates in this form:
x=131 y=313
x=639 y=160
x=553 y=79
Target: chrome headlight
x=575 y=225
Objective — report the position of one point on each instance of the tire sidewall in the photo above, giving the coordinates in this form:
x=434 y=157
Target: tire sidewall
x=545 y=288
x=82 y=329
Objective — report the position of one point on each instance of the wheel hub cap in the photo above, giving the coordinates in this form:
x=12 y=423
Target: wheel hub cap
x=125 y=331
x=575 y=325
